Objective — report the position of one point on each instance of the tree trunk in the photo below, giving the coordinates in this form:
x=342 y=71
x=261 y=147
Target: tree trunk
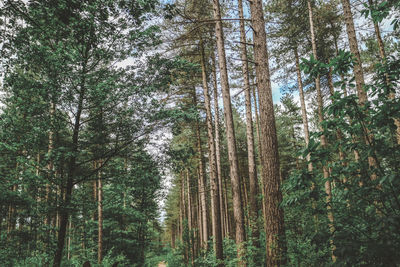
x=303 y=106
x=358 y=72
x=382 y=55
x=11 y=211
x=50 y=164
x=217 y=147
x=328 y=190
x=199 y=214
x=215 y=199
x=229 y=227
x=94 y=185
x=351 y=33
x=253 y=181
x=100 y=218
x=274 y=220
x=184 y=216
x=202 y=183
x=69 y=239
x=64 y=213
x=232 y=153
x=190 y=217
x=260 y=154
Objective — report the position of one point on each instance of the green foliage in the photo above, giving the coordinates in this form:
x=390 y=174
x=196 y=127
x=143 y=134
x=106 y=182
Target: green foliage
x=175 y=256
x=365 y=202
x=70 y=101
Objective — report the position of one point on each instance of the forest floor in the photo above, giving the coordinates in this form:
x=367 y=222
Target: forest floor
x=162 y=264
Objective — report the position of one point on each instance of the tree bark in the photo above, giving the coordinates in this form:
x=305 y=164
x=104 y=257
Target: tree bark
x=190 y=217
x=232 y=153
x=260 y=154
x=64 y=213
x=303 y=106
x=215 y=199
x=100 y=218
x=328 y=190
x=199 y=213
x=69 y=239
x=358 y=73
x=202 y=182
x=382 y=54
x=351 y=33
x=218 y=147
x=253 y=181
x=274 y=219
x=50 y=164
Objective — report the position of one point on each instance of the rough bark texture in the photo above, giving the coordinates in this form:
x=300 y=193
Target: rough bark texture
x=224 y=222
x=253 y=182
x=351 y=33
x=259 y=146
x=202 y=184
x=232 y=154
x=328 y=190
x=303 y=106
x=215 y=200
x=199 y=212
x=274 y=220
x=358 y=72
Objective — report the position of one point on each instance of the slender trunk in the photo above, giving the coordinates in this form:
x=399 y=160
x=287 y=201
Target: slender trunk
x=11 y=209
x=94 y=185
x=215 y=200
x=181 y=213
x=50 y=165
x=217 y=146
x=190 y=217
x=199 y=213
x=228 y=221
x=253 y=181
x=184 y=216
x=72 y=168
x=232 y=153
x=382 y=54
x=274 y=220
x=351 y=33
x=64 y=215
x=381 y=46
x=358 y=73
x=303 y=106
x=69 y=239
x=328 y=190
x=202 y=183
x=100 y=218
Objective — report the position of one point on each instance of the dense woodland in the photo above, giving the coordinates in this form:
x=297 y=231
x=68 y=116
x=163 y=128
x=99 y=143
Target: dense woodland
x=200 y=133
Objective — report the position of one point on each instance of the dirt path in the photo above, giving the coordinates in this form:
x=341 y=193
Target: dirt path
x=162 y=264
